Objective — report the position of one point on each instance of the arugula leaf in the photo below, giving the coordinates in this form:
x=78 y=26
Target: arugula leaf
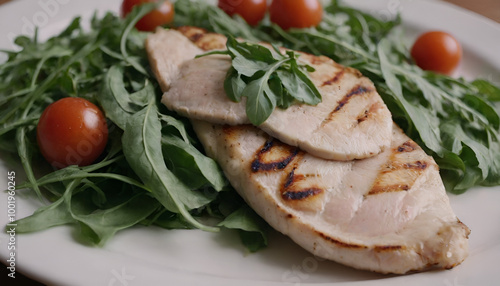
x=251 y=228
x=116 y=101
x=45 y=217
x=98 y=226
x=181 y=156
x=234 y=85
x=425 y=121
x=138 y=12
x=299 y=82
x=142 y=148
x=490 y=91
x=267 y=78
x=261 y=100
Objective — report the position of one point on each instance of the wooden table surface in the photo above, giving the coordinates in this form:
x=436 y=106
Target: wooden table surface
x=487 y=8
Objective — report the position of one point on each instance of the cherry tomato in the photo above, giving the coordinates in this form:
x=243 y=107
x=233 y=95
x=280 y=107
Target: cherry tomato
x=164 y=14
x=72 y=131
x=437 y=51
x=251 y=10
x=296 y=13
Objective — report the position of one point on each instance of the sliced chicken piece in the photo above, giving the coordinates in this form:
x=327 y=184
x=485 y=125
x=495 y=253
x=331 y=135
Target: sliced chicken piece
x=159 y=48
x=389 y=213
x=199 y=93
x=352 y=121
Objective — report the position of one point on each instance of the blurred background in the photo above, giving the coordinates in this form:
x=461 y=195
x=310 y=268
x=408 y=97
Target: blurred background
x=487 y=8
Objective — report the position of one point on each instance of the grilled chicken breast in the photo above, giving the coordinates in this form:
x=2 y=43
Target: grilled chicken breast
x=388 y=213
x=352 y=121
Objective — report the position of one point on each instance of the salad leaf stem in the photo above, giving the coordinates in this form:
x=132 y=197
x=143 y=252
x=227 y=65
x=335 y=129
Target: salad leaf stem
x=137 y=13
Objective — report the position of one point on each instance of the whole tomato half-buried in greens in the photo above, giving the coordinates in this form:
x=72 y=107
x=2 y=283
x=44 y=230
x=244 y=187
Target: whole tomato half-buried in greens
x=162 y=15
x=296 y=13
x=72 y=131
x=253 y=11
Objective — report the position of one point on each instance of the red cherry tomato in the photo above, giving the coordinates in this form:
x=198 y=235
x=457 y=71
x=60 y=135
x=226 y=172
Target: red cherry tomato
x=296 y=13
x=251 y=10
x=72 y=131
x=437 y=51
x=163 y=15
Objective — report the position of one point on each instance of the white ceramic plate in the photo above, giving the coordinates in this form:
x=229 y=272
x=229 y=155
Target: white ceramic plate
x=154 y=256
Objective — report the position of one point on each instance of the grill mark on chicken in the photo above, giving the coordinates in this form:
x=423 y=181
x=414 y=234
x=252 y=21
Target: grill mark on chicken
x=377 y=248
x=316 y=60
x=358 y=90
x=203 y=39
x=411 y=171
x=290 y=178
x=193 y=34
x=340 y=243
x=418 y=165
x=380 y=248
x=273 y=156
x=300 y=195
x=408 y=146
x=378 y=189
x=366 y=114
x=196 y=37
x=290 y=193
x=355 y=91
x=395 y=166
x=335 y=78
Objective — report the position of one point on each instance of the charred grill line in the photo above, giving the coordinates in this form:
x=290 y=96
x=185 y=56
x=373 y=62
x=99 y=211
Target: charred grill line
x=340 y=243
x=417 y=165
x=355 y=91
x=380 y=248
x=196 y=37
x=408 y=146
x=289 y=178
x=300 y=195
x=378 y=188
x=259 y=165
x=335 y=78
x=388 y=188
x=296 y=195
x=202 y=38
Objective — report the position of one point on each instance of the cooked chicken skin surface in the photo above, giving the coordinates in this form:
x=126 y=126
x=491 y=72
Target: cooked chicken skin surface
x=389 y=213
x=351 y=122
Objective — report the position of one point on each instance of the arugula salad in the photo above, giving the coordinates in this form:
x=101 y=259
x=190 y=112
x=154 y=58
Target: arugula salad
x=153 y=170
